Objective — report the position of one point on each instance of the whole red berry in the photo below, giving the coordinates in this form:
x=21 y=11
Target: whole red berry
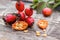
x=47 y=11
x=9 y=18
x=28 y=11
x=20 y=6
x=30 y=21
x=22 y=15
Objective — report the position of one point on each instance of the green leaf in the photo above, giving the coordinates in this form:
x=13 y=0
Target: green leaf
x=50 y=6
x=43 y=6
x=33 y=6
x=50 y=0
x=56 y=4
x=35 y=1
x=40 y=0
x=40 y=6
x=57 y=0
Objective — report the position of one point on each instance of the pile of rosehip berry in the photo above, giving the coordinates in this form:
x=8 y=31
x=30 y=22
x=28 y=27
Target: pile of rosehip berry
x=21 y=20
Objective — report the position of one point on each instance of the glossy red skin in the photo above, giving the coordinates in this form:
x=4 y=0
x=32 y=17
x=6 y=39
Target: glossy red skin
x=10 y=18
x=20 y=6
x=47 y=11
x=29 y=11
x=22 y=15
x=30 y=21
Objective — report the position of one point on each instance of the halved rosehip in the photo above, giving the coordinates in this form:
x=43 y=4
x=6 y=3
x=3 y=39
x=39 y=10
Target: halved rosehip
x=42 y=24
x=20 y=25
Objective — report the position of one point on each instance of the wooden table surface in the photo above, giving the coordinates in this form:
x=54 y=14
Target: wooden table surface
x=53 y=29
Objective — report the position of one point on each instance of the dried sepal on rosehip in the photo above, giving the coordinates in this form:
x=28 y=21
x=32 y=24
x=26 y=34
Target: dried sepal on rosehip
x=20 y=25
x=42 y=24
x=22 y=16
